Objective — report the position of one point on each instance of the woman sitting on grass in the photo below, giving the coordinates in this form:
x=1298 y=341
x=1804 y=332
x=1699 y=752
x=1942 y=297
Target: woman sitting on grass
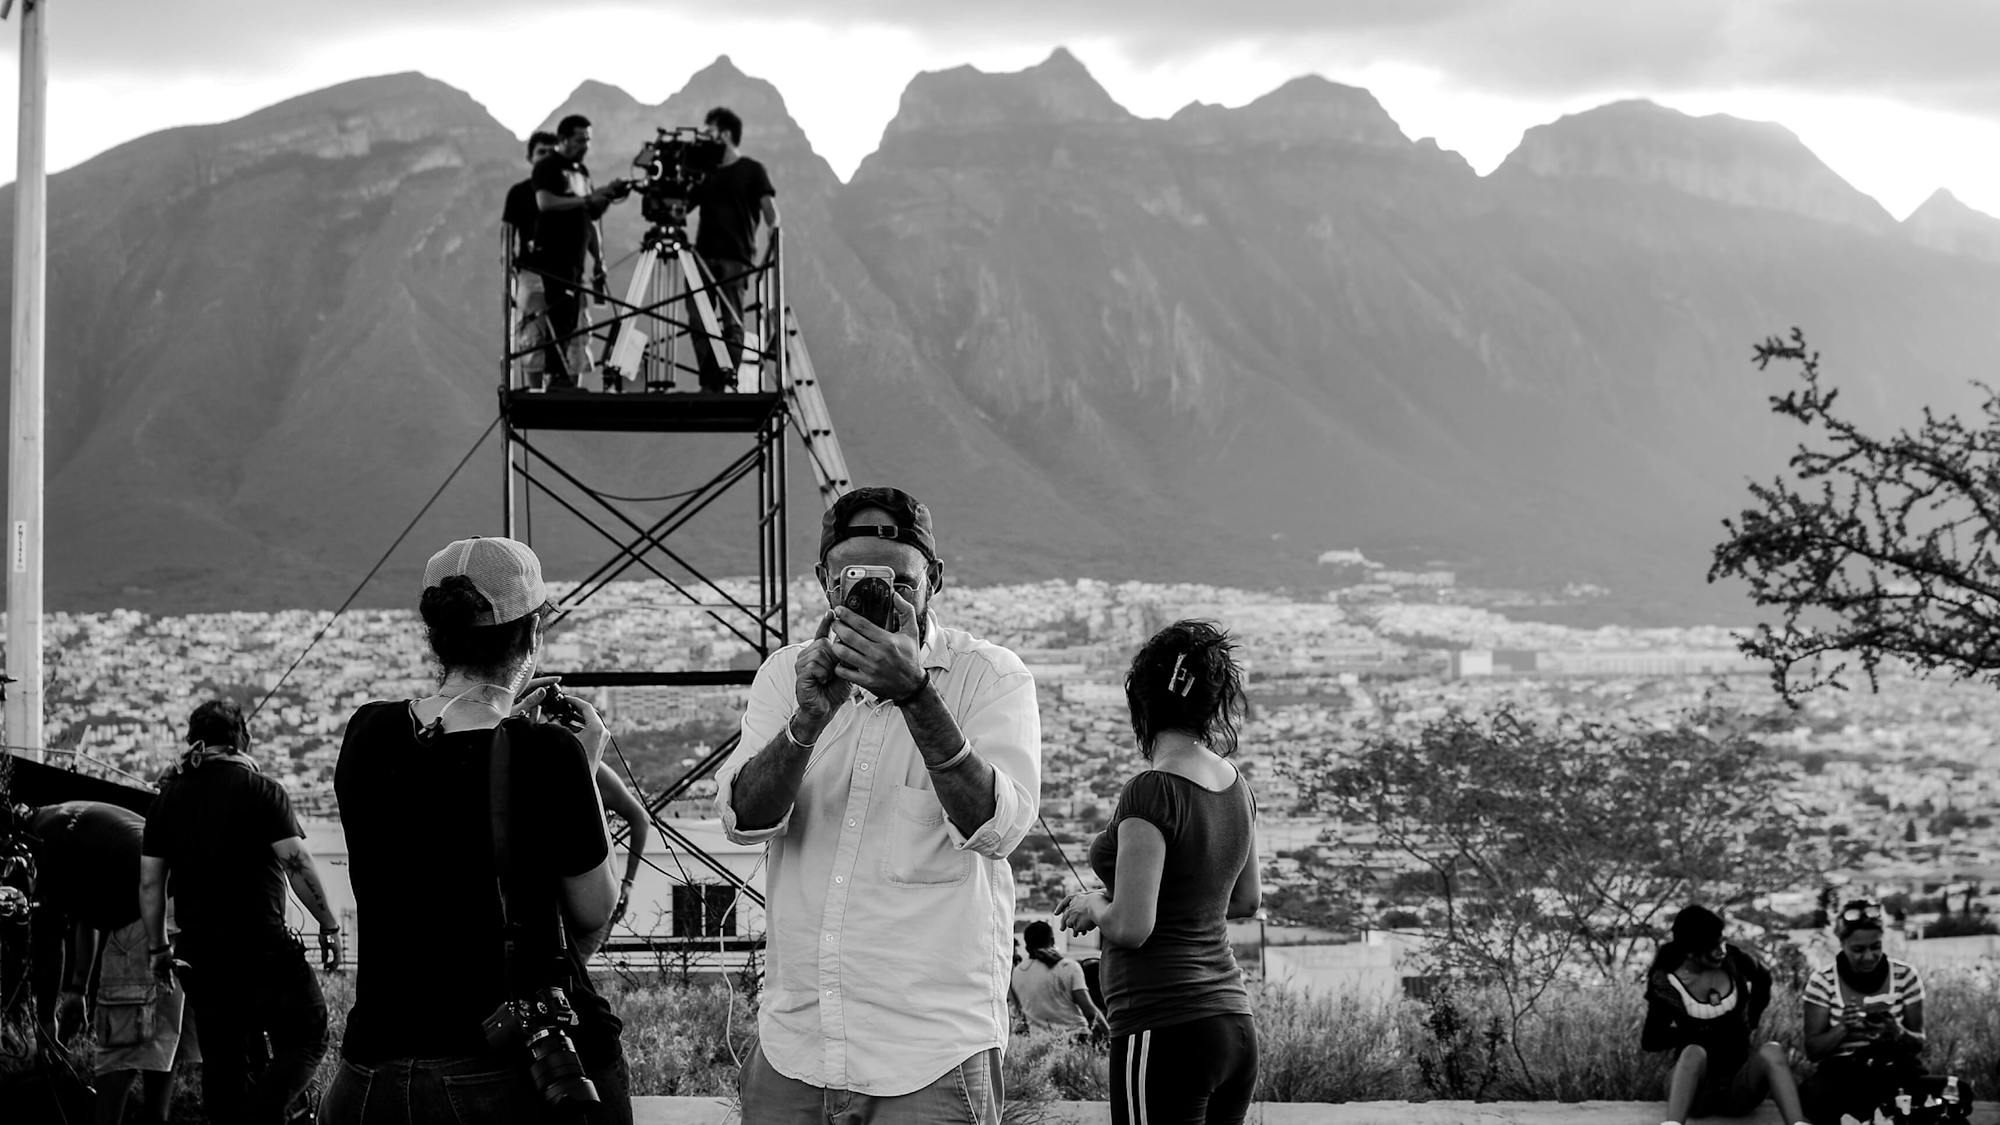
x=1864 y=1020
x=1179 y=858
x=1704 y=999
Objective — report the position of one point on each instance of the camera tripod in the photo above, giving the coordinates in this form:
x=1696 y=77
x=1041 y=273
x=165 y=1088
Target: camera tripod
x=668 y=271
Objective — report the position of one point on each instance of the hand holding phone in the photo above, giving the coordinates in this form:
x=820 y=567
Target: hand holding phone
x=869 y=591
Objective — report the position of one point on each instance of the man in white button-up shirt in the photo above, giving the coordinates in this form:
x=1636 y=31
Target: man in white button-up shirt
x=891 y=770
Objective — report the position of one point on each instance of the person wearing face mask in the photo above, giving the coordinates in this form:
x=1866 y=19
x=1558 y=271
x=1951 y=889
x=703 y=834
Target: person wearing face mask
x=1864 y=1020
x=415 y=785
x=1704 y=999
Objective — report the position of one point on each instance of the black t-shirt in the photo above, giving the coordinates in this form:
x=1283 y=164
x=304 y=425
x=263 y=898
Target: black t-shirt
x=214 y=825
x=731 y=200
x=87 y=856
x=521 y=214
x=1185 y=971
x=563 y=236
x=420 y=857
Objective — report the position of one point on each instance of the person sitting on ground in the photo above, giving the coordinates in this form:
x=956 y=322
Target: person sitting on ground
x=1704 y=999
x=1050 y=989
x=1864 y=1021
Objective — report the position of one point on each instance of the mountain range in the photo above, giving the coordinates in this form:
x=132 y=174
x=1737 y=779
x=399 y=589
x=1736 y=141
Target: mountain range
x=1205 y=348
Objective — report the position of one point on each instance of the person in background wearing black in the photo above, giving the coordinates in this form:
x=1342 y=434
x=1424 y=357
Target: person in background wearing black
x=87 y=910
x=225 y=835
x=566 y=236
x=731 y=200
x=1704 y=999
x=530 y=299
x=1178 y=860
x=413 y=782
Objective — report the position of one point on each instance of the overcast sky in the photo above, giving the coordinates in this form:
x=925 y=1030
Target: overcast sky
x=1899 y=96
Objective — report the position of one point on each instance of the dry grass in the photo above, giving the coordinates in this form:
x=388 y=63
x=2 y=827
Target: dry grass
x=686 y=1037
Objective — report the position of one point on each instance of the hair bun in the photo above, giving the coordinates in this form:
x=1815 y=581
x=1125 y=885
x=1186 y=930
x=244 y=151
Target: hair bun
x=453 y=603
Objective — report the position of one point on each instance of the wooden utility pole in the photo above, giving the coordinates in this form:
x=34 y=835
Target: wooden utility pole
x=24 y=450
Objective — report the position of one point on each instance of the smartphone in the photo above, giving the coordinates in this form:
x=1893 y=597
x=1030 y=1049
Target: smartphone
x=870 y=592
x=1876 y=1007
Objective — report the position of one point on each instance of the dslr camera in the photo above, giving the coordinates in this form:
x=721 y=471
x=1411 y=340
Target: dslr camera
x=541 y=1024
x=561 y=709
x=668 y=169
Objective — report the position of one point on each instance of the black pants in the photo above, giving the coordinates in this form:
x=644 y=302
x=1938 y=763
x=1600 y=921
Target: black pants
x=241 y=997
x=565 y=304
x=731 y=283
x=1198 y=1073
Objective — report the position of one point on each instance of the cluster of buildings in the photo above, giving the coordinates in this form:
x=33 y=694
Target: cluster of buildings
x=1908 y=777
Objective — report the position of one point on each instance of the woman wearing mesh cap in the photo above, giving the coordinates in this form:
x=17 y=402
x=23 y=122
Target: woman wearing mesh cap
x=1178 y=860
x=414 y=787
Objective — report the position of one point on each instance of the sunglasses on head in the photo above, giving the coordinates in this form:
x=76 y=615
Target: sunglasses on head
x=1862 y=912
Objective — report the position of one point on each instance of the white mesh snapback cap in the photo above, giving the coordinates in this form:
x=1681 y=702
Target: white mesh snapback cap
x=505 y=570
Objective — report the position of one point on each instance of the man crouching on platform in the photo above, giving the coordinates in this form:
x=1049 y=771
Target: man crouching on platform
x=892 y=764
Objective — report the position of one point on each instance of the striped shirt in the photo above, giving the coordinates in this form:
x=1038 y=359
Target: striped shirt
x=1903 y=988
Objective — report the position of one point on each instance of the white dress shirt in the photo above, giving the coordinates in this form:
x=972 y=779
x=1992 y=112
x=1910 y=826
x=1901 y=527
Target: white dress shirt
x=889 y=932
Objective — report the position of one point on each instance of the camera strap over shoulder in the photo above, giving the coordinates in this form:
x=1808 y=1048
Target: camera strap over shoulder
x=516 y=926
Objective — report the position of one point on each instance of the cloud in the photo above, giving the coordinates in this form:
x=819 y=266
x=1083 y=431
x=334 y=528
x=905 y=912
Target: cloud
x=1933 y=53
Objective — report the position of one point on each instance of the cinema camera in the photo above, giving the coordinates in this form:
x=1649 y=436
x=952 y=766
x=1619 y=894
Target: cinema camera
x=668 y=169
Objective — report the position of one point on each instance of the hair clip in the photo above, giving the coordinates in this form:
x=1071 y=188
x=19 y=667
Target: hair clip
x=1181 y=680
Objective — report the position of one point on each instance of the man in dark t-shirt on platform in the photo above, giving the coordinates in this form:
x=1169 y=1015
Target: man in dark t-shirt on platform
x=730 y=201
x=225 y=836
x=566 y=234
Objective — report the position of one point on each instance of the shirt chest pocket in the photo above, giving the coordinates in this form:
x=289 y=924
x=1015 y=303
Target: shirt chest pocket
x=919 y=852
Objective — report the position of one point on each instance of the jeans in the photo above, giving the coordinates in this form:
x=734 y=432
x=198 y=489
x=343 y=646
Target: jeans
x=531 y=328
x=239 y=997
x=967 y=1094
x=468 y=1091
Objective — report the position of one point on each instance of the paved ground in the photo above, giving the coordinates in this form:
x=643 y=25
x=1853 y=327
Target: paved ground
x=712 y=1111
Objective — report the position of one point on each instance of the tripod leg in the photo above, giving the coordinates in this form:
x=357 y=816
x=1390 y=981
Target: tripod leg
x=627 y=344
x=701 y=296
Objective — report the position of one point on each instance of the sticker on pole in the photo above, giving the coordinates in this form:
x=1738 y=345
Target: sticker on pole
x=20 y=546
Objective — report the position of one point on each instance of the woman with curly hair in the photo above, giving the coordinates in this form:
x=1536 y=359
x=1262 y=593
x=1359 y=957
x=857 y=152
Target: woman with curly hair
x=1704 y=999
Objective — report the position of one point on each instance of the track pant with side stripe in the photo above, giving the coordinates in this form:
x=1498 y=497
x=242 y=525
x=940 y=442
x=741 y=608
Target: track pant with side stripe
x=1196 y=1073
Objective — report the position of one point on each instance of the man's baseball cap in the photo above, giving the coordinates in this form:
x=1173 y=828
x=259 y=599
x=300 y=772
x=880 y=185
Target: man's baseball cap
x=506 y=571
x=912 y=521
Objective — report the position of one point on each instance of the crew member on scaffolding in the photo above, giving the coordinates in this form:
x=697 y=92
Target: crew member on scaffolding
x=730 y=201
x=566 y=234
x=531 y=308
x=889 y=770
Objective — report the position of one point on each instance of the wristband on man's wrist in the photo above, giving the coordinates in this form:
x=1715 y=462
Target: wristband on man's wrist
x=952 y=762
x=794 y=739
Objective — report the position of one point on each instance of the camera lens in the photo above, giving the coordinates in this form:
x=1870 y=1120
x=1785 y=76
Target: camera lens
x=556 y=1069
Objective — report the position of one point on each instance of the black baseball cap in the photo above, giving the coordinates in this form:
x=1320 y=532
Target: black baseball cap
x=912 y=521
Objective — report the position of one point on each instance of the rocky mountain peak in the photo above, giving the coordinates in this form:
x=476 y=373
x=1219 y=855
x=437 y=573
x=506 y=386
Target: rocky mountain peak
x=1743 y=163
x=1945 y=223
x=1058 y=90
x=1306 y=109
